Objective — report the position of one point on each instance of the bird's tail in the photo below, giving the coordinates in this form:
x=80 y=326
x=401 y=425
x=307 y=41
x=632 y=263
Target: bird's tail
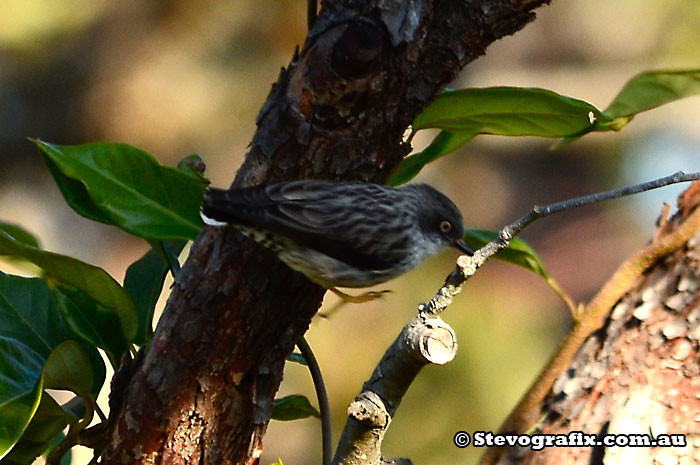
x=216 y=208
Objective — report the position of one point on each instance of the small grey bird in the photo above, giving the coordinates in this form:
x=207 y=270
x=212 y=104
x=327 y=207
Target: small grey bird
x=342 y=234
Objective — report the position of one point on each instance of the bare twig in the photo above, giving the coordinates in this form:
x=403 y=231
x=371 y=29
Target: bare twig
x=467 y=266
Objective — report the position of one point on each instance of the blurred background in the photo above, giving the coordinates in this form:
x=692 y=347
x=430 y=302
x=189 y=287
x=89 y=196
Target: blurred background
x=176 y=78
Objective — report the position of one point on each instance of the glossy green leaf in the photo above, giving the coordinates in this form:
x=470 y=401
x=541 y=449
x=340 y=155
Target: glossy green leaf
x=508 y=111
x=293 y=407
x=641 y=93
x=94 y=322
x=75 y=193
x=444 y=143
x=29 y=315
x=20 y=389
x=90 y=279
x=144 y=282
x=125 y=186
x=46 y=426
x=652 y=89
x=518 y=252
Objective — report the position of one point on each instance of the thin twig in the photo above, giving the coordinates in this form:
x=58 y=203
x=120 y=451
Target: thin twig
x=322 y=396
x=467 y=266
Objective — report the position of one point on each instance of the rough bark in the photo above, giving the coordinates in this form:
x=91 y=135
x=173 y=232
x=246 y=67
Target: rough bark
x=204 y=389
x=638 y=374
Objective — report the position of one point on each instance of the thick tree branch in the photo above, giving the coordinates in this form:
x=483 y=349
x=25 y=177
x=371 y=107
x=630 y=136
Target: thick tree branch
x=204 y=390
x=630 y=365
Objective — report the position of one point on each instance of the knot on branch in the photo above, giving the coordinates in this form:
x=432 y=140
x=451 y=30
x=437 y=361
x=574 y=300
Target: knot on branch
x=369 y=410
x=358 y=50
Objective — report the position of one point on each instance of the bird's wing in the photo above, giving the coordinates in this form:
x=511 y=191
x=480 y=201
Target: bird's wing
x=314 y=214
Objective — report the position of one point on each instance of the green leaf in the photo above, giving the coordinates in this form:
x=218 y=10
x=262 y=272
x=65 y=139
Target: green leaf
x=125 y=186
x=509 y=111
x=46 y=426
x=194 y=166
x=444 y=143
x=76 y=194
x=144 y=282
x=19 y=234
x=69 y=368
x=293 y=407
x=653 y=89
x=29 y=315
x=518 y=252
x=90 y=279
x=20 y=389
x=296 y=357
x=641 y=93
x=94 y=322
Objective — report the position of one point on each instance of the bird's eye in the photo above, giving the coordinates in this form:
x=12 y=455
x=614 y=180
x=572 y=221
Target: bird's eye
x=445 y=226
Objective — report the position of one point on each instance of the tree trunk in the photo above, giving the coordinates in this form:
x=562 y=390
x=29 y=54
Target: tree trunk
x=637 y=377
x=203 y=392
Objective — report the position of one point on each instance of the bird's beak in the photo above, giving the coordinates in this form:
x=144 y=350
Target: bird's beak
x=459 y=243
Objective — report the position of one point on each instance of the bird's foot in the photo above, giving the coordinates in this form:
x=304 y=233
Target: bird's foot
x=353 y=299
x=359 y=299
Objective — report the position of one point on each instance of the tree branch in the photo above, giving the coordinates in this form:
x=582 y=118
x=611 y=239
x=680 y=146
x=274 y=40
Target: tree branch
x=204 y=392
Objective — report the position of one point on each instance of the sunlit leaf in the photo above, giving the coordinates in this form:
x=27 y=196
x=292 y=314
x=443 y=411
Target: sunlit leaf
x=444 y=143
x=46 y=426
x=509 y=111
x=20 y=389
x=653 y=89
x=641 y=93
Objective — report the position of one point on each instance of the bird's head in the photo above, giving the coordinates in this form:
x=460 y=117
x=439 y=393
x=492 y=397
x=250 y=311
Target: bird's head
x=440 y=219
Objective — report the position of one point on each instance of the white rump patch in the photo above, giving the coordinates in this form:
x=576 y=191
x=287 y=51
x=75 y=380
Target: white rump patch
x=211 y=221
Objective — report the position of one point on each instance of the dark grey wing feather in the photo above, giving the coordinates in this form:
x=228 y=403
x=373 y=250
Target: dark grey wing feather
x=347 y=221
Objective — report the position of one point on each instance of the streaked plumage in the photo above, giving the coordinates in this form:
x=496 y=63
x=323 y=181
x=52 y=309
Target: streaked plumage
x=348 y=234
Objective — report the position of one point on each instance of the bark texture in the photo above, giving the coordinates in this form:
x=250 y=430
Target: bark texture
x=639 y=374
x=204 y=389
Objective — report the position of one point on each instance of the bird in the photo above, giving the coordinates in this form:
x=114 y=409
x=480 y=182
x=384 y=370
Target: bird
x=341 y=234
